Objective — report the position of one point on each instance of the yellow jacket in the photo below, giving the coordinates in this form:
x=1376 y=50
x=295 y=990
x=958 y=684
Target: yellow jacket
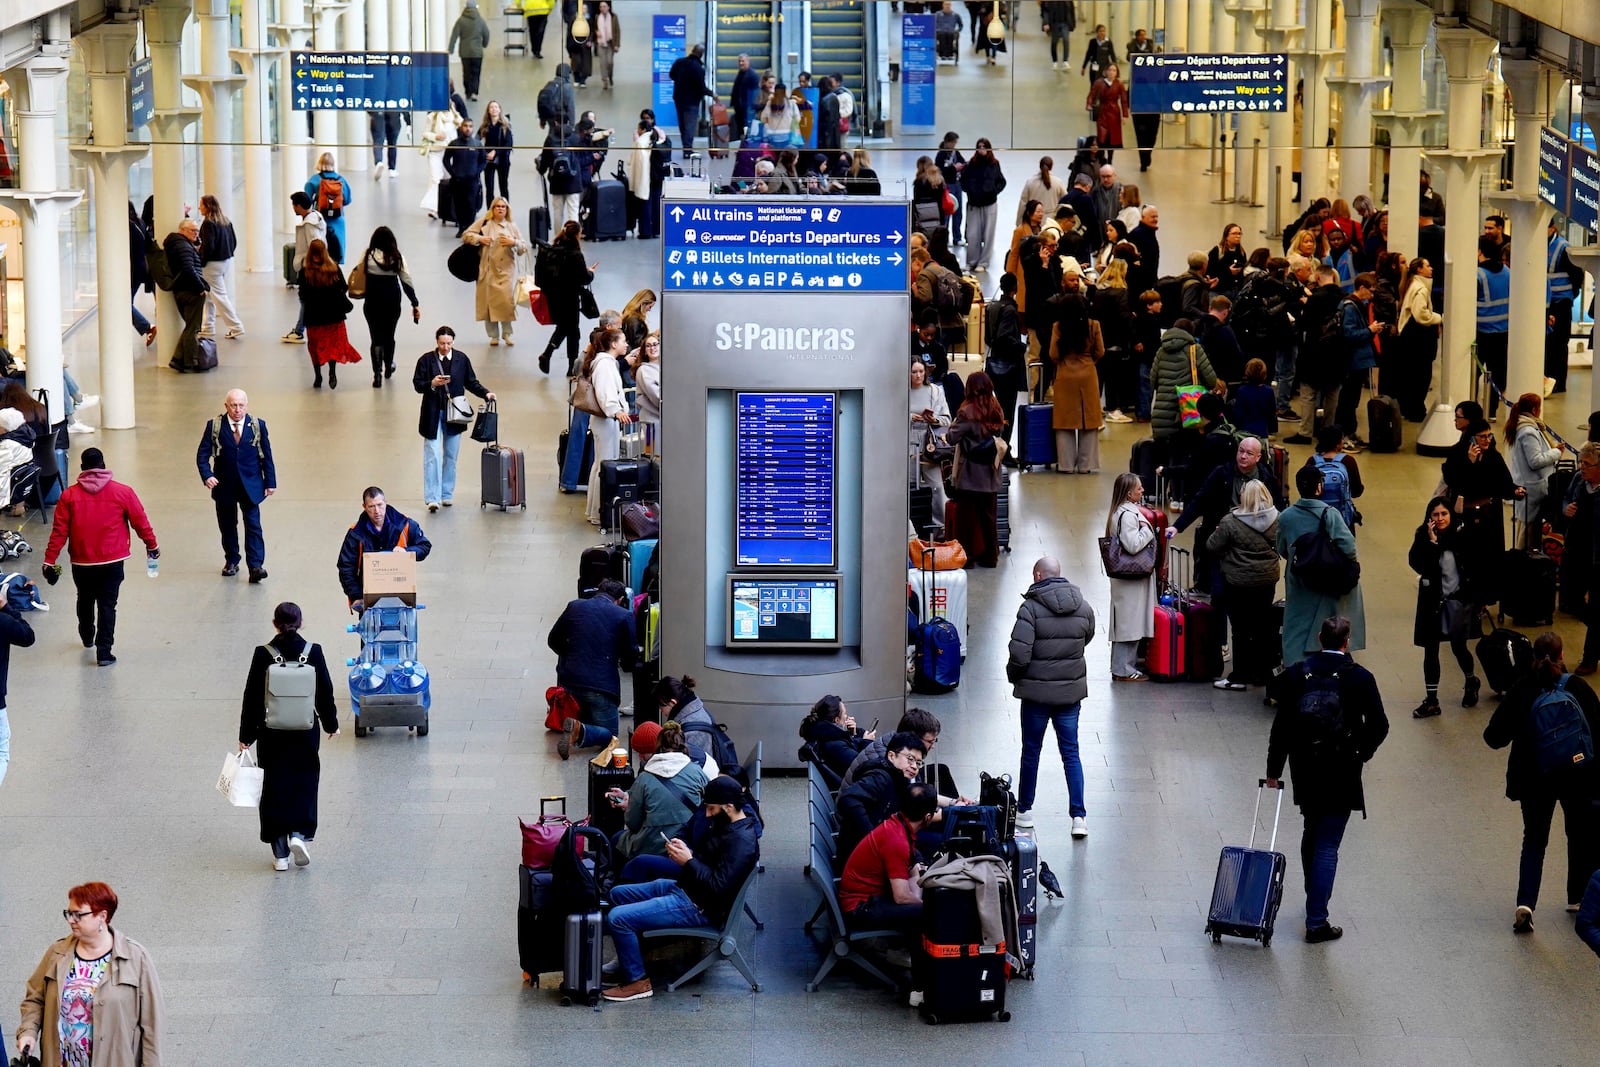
x=538 y=7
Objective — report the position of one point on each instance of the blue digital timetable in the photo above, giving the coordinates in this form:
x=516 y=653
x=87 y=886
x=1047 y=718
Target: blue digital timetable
x=784 y=480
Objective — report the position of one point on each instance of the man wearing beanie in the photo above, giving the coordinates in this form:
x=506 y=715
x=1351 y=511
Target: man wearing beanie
x=702 y=895
x=92 y=521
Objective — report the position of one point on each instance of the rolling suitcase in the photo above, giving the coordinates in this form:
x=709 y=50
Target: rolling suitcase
x=1384 y=424
x=609 y=222
x=963 y=980
x=603 y=815
x=640 y=553
x=721 y=130
x=1506 y=656
x=505 y=478
x=937 y=668
x=289 y=277
x=539 y=224
x=622 y=481
x=1022 y=852
x=600 y=563
x=1036 y=437
x=1165 y=659
x=538 y=927
x=581 y=942
x=1203 y=624
x=1249 y=887
x=446 y=206
x=1528 y=584
x=1002 y=512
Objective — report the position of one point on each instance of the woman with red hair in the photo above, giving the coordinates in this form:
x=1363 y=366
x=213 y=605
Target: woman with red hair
x=323 y=294
x=978 y=477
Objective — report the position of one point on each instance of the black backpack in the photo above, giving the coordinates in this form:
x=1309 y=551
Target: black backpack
x=552 y=104
x=580 y=870
x=1326 y=732
x=713 y=737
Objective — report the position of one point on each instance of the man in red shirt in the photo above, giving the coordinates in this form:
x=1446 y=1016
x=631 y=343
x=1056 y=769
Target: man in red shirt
x=879 y=887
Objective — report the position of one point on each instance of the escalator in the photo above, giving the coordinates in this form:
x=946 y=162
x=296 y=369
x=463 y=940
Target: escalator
x=839 y=42
x=741 y=28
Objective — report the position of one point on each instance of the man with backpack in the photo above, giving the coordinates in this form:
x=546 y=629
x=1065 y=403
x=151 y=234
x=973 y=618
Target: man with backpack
x=1330 y=722
x=1549 y=719
x=330 y=193
x=559 y=164
x=558 y=103
x=1341 y=477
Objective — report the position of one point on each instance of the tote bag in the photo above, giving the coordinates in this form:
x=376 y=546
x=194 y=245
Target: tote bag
x=241 y=780
x=1189 y=396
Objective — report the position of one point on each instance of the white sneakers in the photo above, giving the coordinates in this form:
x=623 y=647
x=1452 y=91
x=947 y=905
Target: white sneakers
x=79 y=427
x=1117 y=416
x=292 y=338
x=1080 y=826
x=89 y=400
x=1024 y=820
x=299 y=850
x=377 y=171
x=280 y=863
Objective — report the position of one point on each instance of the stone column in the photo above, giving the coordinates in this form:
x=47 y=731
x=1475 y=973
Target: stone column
x=40 y=86
x=216 y=83
x=1281 y=34
x=1529 y=85
x=1315 y=60
x=1408 y=24
x=254 y=58
x=354 y=132
x=106 y=51
x=1464 y=162
x=400 y=25
x=1357 y=87
x=1249 y=16
x=1199 y=41
x=441 y=15
x=325 y=124
x=163 y=29
x=378 y=26
x=293 y=33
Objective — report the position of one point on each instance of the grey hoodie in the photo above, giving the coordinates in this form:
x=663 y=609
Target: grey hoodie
x=1246 y=542
x=1054 y=624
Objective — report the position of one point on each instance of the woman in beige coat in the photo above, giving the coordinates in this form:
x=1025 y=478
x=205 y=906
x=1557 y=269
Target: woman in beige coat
x=1076 y=346
x=500 y=243
x=95 y=992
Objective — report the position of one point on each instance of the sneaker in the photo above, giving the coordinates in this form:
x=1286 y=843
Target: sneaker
x=1080 y=826
x=377 y=172
x=1117 y=416
x=394 y=176
x=232 y=335
x=1328 y=932
x=914 y=999
x=1174 y=505
x=1469 y=697
x=75 y=426
x=105 y=659
x=1353 y=445
x=89 y=400
x=292 y=338
x=1523 y=923
x=626 y=711
x=432 y=507
x=1024 y=820
x=571 y=735
x=1426 y=710
x=299 y=850
x=632 y=991
x=1230 y=685
x=1588 y=666
x=280 y=863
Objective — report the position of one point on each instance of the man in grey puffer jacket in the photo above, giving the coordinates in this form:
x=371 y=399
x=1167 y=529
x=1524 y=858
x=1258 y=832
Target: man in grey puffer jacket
x=1049 y=676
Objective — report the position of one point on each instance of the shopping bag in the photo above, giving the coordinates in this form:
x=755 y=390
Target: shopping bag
x=240 y=781
x=540 y=305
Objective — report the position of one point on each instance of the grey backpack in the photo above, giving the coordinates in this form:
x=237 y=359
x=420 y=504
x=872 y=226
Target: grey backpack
x=291 y=692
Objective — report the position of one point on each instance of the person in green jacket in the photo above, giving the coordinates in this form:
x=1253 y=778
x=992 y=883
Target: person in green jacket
x=472 y=32
x=658 y=804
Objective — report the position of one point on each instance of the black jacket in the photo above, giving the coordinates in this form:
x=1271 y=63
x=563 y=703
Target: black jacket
x=562 y=273
x=689 y=86
x=1219 y=494
x=982 y=180
x=1148 y=243
x=1509 y=726
x=1321 y=365
x=558 y=146
x=1326 y=785
x=828 y=121
x=325 y=305
x=183 y=259
x=14 y=630
x=724 y=857
x=253 y=711
x=592 y=636
x=1425 y=558
x=464 y=159
x=462 y=381
x=398 y=532
x=836 y=746
x=217 y=242
x=498 y=136
x=868 y=801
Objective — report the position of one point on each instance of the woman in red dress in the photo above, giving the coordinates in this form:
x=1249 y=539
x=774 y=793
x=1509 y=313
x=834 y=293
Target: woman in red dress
x=1108 y=102
x=323 y=294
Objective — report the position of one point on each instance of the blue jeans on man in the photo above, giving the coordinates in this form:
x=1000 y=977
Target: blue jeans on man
x=688 y=125
x=651 y=906
x=439 y=465
x=598 y=713
x=1036 y=718
x=1319 y=859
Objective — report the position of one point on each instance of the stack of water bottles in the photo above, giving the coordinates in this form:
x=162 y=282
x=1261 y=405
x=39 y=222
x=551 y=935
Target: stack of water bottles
x=388 y=684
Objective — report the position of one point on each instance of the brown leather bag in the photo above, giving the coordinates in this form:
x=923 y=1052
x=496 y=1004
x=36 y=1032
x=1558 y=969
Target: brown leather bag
x=937 y=555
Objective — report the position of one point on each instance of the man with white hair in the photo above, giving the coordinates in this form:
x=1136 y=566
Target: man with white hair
x=235 y=463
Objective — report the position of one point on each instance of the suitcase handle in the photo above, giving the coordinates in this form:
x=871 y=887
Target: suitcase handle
x=544 y=806
x=1261 y=786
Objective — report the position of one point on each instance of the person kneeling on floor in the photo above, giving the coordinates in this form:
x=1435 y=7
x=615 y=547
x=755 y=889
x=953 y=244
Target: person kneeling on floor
x=879 y=887
x=702 y=895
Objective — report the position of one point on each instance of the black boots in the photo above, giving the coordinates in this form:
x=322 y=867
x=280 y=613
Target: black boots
x=544 y=359
x=333 y=376
x=316 y=369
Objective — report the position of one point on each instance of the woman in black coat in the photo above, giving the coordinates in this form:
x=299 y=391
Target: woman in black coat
x=1476 y=480
x=1448 y=601
x=831 y=732
x=1538 y=791
x=288 y=758
x=563 y=275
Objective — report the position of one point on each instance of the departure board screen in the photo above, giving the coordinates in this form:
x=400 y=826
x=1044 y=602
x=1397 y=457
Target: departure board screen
x=784 y=483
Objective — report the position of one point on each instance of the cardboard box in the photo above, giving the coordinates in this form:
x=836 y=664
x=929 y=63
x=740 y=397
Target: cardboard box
x=389 y=574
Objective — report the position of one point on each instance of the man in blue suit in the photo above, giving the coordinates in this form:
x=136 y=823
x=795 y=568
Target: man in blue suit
x=235 y=462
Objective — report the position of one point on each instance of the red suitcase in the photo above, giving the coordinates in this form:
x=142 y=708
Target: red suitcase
x=1164 y=661
x=1203 y=624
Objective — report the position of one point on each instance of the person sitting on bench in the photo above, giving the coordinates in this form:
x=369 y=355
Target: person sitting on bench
x=879 y=888
x=879 y=790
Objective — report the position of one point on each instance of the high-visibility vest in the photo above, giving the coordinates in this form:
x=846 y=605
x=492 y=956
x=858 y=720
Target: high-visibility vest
x=1558 y=283
x=1494 y=300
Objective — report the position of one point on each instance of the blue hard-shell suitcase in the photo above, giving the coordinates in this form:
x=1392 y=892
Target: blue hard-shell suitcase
x=1249 y=887
x=1036 y=437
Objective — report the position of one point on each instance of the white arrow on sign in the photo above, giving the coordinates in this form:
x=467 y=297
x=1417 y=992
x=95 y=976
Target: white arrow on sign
x=677 y=277
x=896 y=258
x=302 y=101
x=896 y=237
x=677 y=214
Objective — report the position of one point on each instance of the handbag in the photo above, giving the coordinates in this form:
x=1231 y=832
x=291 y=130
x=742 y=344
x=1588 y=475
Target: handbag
x=1320 y=566
x=463 y=263
x=241 y=780
x=936 y=448
x=540 y=306
x=357 y=287
x=586 y=304
x=1189 y=396
x=540 y=838
x=584 y=397
x=937 y=555
x=562 y=706
x=640 y=520
x=1120 y=563
x=525 y=283
x=459 y=411
x=1457 y=619
x=948 y=204
x=486 y=427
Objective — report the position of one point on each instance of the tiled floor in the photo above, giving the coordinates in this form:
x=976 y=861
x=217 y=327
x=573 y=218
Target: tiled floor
x=398 y=943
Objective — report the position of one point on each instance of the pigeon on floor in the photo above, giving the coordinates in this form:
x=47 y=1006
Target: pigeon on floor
x=1048 y=879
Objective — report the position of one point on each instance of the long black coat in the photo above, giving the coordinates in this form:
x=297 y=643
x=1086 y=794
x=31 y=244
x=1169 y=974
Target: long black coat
x=462 y=380
x=289 y=758
x=1509 y=726
x=1325 y=786
x=1425 y=558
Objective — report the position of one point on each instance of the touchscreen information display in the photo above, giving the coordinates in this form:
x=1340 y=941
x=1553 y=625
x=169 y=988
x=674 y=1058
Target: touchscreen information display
x=784 y=612
x=784 y=484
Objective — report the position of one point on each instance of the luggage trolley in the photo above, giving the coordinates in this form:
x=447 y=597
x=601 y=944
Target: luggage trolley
x=516 y=32
x=388 y=685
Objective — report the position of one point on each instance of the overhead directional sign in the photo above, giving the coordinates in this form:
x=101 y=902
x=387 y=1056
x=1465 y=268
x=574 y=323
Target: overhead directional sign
x=1166 y=81
x=370 y=81
x=818 y=245
x=1555 y=168
x=1585 y=206
x=141 y=94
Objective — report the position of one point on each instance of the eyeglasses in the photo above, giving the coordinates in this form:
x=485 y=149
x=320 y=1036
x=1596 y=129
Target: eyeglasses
x=76 y=916
x=915 y=762
x=652 y=344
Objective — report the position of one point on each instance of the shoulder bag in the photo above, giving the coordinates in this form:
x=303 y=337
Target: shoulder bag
x=463 y=263
x=1120 y=563
x=1320 y=566
x=1189 y=396
x=936 y=448
x=587 y=305
x=486 y=427
x=584 y=397
x=357 y=287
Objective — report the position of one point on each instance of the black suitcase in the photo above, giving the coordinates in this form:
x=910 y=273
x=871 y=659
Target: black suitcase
x=446 y=207
x=581 y=941
x=290 y=278
x=1249 y=886
x=1384 y=424
x=539 y=224
x=622 y=481
x=646 y=674
x=538 y=926
x=588 y=460
x=1505 y=657
x=1023 y=854
x=603 y=815
x=1142 y=461
x=1528 y=588
x=505 y=478
x=972 y=830
x=609 y=220
x=599 y=563
x=921 y=509
x=1002 y=512
x=1036 y=437
x=962 y=979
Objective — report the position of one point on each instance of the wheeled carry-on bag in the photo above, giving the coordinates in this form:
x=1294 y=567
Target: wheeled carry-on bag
x=1002 y=512
x=1505 y=656
x=1527 y=583
x=1203 y=624
x=962 y=979
x=1036 y=437
x=1249 y=888
x=1022 y=852
x=505 y=478
x=610 y=219
x=1384 y=424
x=582 y=939
x=538 y=926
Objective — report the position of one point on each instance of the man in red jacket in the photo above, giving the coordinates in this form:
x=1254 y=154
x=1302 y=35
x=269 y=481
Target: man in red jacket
x=92 y=520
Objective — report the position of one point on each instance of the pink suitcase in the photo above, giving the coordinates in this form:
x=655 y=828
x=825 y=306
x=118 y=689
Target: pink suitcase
x=1165 y=660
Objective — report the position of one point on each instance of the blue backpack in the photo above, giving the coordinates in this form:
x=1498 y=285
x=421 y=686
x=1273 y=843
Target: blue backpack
x=1559 y=730
x=937 y=668
x=1336 y=489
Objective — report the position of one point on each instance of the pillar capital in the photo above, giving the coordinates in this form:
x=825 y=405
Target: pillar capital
x=1528 y=81
x=107 y=47
x=1408 y=23
x=164 y=22
x=209 y=86
x=40 y=81
x=44 y=207
x=102 y=159
x=169 y=124
x=1466 y=53
x=248 y=58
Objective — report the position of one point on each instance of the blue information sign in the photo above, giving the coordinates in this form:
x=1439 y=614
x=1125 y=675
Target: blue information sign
x=141 y=93
x=1585 y=198
x=370 y=81
x=1555 y=167
x=1163 y=82
x=919 y=60
x=784 y=486
x=819 y=245
x=669 y=33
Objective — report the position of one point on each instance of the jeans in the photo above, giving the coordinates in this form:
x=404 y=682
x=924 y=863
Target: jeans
x=499 y=167
x=598 y=713
x=882 y=913
x=1147 y=390
x=385 y=129
x=688 y=125
x=1059 y=35
x=1283 y=373
x=652 y=906
x=1035 y=717
x=255 y=545
x=98 y=585
x=439 y=464
x=1538 y=811
x=643 y=869
x=5 y=744
x=957 y=217
x=1319 y=859
x=140 y=323
x=1588 y=923
x=981 y=220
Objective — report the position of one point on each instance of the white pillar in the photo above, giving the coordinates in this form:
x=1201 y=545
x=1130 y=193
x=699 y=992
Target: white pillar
x=441 y=15
x=1408 y=27
x=324 y=38
x=1198 y=127
x=254 y=58
x=1466 y=56
x=1249 y=17
x=353 y=130
x=39 y=85
x=163 y=28
x=378 y=26
x=1528 y=83
x=216 y=83
x=1356 y=88
x=1282 y=33
x=293 y=33
x=1176 y=24
x=1315 y=63
x=106 y=51
x=400 y=25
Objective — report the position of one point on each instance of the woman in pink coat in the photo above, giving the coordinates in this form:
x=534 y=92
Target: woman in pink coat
x=1108 y=102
